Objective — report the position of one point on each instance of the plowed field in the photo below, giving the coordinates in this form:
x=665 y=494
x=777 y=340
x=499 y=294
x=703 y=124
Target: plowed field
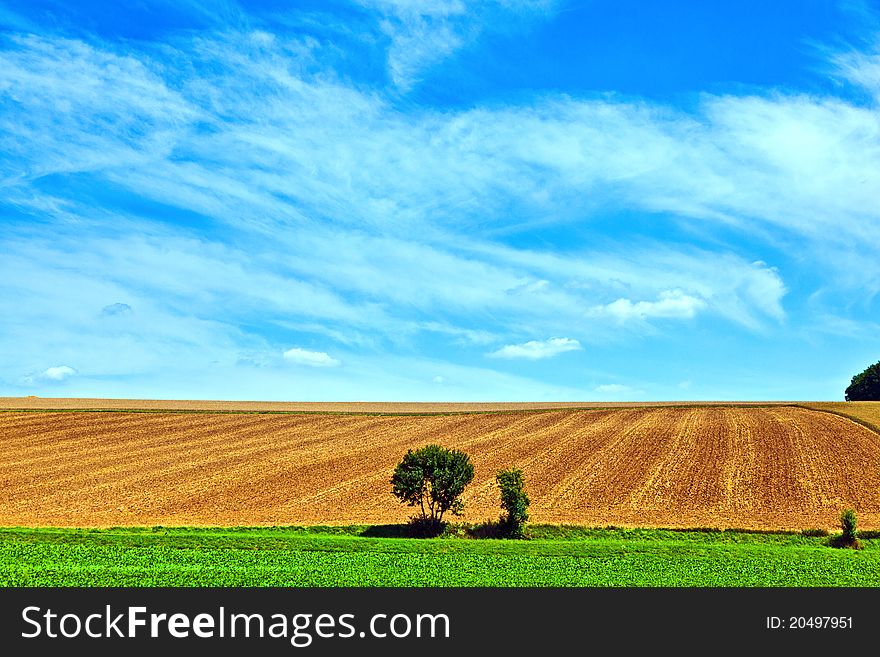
x=758 y=467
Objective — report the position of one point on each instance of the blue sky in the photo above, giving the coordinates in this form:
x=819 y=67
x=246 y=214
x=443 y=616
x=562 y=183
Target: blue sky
x=403 y=200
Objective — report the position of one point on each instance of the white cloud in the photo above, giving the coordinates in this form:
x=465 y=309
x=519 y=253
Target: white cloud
x=671 y=304
x=612 y=389
x=311 y=358
x=536 y=349
x=58 y=373
x=439 y=380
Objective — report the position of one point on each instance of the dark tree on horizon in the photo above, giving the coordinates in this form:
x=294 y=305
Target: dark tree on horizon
x=865 y=385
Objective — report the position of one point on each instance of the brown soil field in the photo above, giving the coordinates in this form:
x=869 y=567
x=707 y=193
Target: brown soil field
x=419 y=408
x=772 y=467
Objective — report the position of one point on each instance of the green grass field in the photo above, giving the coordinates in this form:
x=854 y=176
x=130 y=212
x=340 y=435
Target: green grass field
x=362 y=556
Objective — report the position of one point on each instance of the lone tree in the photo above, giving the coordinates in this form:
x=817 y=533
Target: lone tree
x=514 y=501
x=433 y=479
x=865 y=386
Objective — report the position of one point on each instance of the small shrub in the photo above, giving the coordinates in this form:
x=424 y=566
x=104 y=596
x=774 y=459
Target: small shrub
x=848 y=523
x=514 y=502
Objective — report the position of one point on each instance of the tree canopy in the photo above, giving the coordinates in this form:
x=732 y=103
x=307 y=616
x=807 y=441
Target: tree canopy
x=433 y=478
x=865 y=385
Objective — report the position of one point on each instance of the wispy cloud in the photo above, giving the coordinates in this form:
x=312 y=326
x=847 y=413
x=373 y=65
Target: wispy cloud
x=88 y=108
x=612 y=389
x=310 y=358
x=537 y=349
x=238 y=186
x=424 y=33
x=791 y=163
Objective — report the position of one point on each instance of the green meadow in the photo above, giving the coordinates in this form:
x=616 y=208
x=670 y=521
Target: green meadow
x=383 y=556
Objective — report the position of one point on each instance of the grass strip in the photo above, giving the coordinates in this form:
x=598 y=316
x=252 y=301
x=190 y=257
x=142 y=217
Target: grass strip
x=373 y=556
